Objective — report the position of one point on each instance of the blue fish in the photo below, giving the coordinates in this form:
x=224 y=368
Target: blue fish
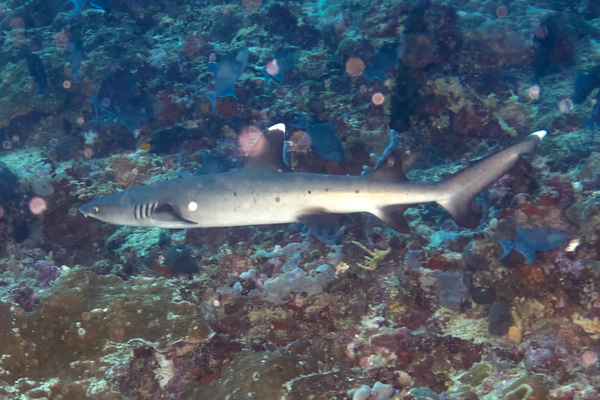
x=227 y=72
x=585 y=83
x=529 y=241
x=117 y=98
x=101 y=5
x=76 y=58
x=384 y=59
x=283 y=60
x=323 y=139
x=37 y=71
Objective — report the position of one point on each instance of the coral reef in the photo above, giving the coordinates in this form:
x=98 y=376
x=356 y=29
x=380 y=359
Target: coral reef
x=107 y=96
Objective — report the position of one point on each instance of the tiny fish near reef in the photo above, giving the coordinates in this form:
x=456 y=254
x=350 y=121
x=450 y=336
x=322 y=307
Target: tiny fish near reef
x=227 y=72
x=257 y=197
x=283 y=60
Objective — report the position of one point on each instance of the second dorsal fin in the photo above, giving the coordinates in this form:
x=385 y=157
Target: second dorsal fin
x=391 y=168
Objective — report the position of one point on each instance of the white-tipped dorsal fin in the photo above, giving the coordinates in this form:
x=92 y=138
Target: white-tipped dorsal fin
x=277 y=127
x=540 y=134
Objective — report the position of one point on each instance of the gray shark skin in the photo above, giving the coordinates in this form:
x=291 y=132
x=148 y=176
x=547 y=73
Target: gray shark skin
x=257 y=198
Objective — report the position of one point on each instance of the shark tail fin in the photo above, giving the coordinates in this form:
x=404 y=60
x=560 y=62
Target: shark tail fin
x=458 y=192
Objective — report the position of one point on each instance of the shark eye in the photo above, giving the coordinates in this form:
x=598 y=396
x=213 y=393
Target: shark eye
x=95 y=210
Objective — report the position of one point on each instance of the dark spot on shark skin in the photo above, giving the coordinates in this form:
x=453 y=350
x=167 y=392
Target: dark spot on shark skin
x=234 y=194
x=277 y=199
x=357 y=191
x=327 y=190
x=309 y=192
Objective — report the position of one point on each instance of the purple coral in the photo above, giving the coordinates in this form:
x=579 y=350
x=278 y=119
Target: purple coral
x=548 y=352
x=24 y=296
x=568 y=266
x=46 y=273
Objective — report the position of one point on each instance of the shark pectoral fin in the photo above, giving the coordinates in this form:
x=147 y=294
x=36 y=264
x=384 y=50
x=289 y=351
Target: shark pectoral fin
x=393 y=216
x=460 y=208
x=166 y=213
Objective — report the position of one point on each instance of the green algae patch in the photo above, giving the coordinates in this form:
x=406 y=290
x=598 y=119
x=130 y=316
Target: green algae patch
x=16 y=92
x=85 y=318
x=527 y=388
x=476 y=374
x=257 y=375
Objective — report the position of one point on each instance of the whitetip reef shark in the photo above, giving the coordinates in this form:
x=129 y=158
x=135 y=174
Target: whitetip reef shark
x=259 y=197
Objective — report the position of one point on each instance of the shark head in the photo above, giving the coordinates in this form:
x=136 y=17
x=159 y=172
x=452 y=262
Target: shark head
x=130 y=208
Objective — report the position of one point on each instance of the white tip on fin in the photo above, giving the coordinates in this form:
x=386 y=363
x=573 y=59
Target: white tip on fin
x=540 y=134
x=277 y=127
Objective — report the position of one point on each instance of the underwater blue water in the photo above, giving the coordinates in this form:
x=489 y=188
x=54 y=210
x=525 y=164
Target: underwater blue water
x=261 y=199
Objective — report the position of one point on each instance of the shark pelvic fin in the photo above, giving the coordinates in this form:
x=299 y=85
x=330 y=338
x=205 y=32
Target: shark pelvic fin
x=393 y=216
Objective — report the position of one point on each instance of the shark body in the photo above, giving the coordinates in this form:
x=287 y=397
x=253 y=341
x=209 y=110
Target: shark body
x=257 y=197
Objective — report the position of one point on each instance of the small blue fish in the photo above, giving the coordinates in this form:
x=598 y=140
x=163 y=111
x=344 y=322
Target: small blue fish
x=227 y=72
x=76 y=58
x=529 y=241
x=384 y=59
x=37 y=71
x=323 y=139
x=585 y=83
x=283 y=60
x=101 y=5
